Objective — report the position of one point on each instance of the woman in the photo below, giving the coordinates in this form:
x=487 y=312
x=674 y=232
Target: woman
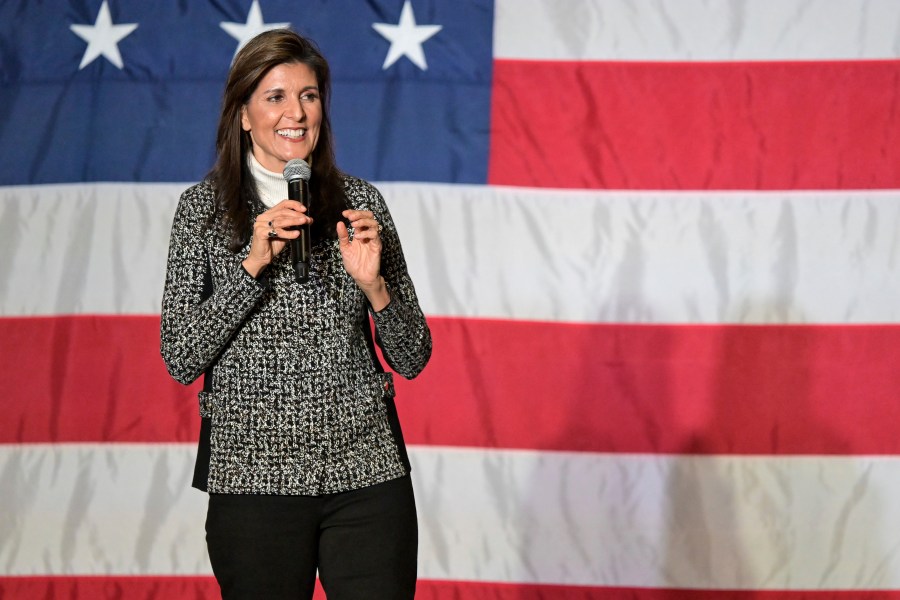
x=300 y=446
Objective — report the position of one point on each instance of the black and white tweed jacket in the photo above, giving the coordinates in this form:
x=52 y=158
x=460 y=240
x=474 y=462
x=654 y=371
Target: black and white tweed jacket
x=296 y=404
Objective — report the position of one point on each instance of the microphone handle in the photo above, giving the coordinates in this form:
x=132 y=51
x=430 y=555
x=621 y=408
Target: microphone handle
x=298 y=190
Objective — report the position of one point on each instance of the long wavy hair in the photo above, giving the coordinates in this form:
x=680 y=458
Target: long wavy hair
x=231 y=177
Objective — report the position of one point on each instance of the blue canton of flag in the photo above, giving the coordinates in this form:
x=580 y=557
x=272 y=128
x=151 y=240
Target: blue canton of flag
x=151 y=76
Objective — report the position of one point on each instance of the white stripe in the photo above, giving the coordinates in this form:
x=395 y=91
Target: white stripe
x=95 y=509
x=696 y=30
x=85 y=248
x=510 y=253
x=661 y=257
x=508 y=516
x=719 y=522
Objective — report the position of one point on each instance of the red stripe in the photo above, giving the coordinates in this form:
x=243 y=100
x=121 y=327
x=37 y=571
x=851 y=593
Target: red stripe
x=506 y=384
x=666 y=389
x=203 y=588
x=92 y=378
x=706 y=126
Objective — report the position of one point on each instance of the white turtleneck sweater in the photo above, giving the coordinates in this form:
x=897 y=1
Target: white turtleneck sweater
x=272 y=187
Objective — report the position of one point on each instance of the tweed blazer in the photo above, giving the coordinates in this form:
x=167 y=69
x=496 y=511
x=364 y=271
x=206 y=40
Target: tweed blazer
x=297 y=402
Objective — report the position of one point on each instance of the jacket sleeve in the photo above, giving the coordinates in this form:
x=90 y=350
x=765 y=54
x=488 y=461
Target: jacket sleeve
x=196 y=326
x=400 y=327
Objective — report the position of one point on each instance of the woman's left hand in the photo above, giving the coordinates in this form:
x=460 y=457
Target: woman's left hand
x=362 y=255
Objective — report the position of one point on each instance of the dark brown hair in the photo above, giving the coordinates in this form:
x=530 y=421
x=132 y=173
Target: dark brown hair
x=231 y=177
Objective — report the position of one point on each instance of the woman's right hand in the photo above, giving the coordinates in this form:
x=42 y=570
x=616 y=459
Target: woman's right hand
x=272 y=231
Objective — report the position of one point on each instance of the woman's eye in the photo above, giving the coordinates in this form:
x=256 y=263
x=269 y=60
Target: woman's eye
x=275 y=98
x=310 y=97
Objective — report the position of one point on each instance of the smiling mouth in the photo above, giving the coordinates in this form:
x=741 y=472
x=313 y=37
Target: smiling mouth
x=292 y=134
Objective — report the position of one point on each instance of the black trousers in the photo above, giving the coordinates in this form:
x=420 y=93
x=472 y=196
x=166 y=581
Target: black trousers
x=363 y=543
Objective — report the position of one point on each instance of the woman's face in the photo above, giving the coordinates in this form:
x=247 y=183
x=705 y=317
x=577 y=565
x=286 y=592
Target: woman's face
x=284 y=115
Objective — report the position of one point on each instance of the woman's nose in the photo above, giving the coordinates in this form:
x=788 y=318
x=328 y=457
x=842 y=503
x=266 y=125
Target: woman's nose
x=295 y=110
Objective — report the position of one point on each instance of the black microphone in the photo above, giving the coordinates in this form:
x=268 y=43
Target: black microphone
x=296 y=173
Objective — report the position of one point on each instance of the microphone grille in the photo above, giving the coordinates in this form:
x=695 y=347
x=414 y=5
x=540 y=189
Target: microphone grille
x=295 y=169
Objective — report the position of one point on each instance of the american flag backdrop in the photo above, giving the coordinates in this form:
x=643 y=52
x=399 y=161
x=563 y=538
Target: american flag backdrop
x=657 y=242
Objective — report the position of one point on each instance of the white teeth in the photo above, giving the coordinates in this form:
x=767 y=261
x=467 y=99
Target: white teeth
x=291 y=133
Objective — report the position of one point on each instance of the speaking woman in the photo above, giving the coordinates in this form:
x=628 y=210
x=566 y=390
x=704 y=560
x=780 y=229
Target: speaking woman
x=300 y=447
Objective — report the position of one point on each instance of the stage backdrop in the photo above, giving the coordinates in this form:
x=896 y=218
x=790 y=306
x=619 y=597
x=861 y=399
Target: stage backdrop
x=657 y=242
